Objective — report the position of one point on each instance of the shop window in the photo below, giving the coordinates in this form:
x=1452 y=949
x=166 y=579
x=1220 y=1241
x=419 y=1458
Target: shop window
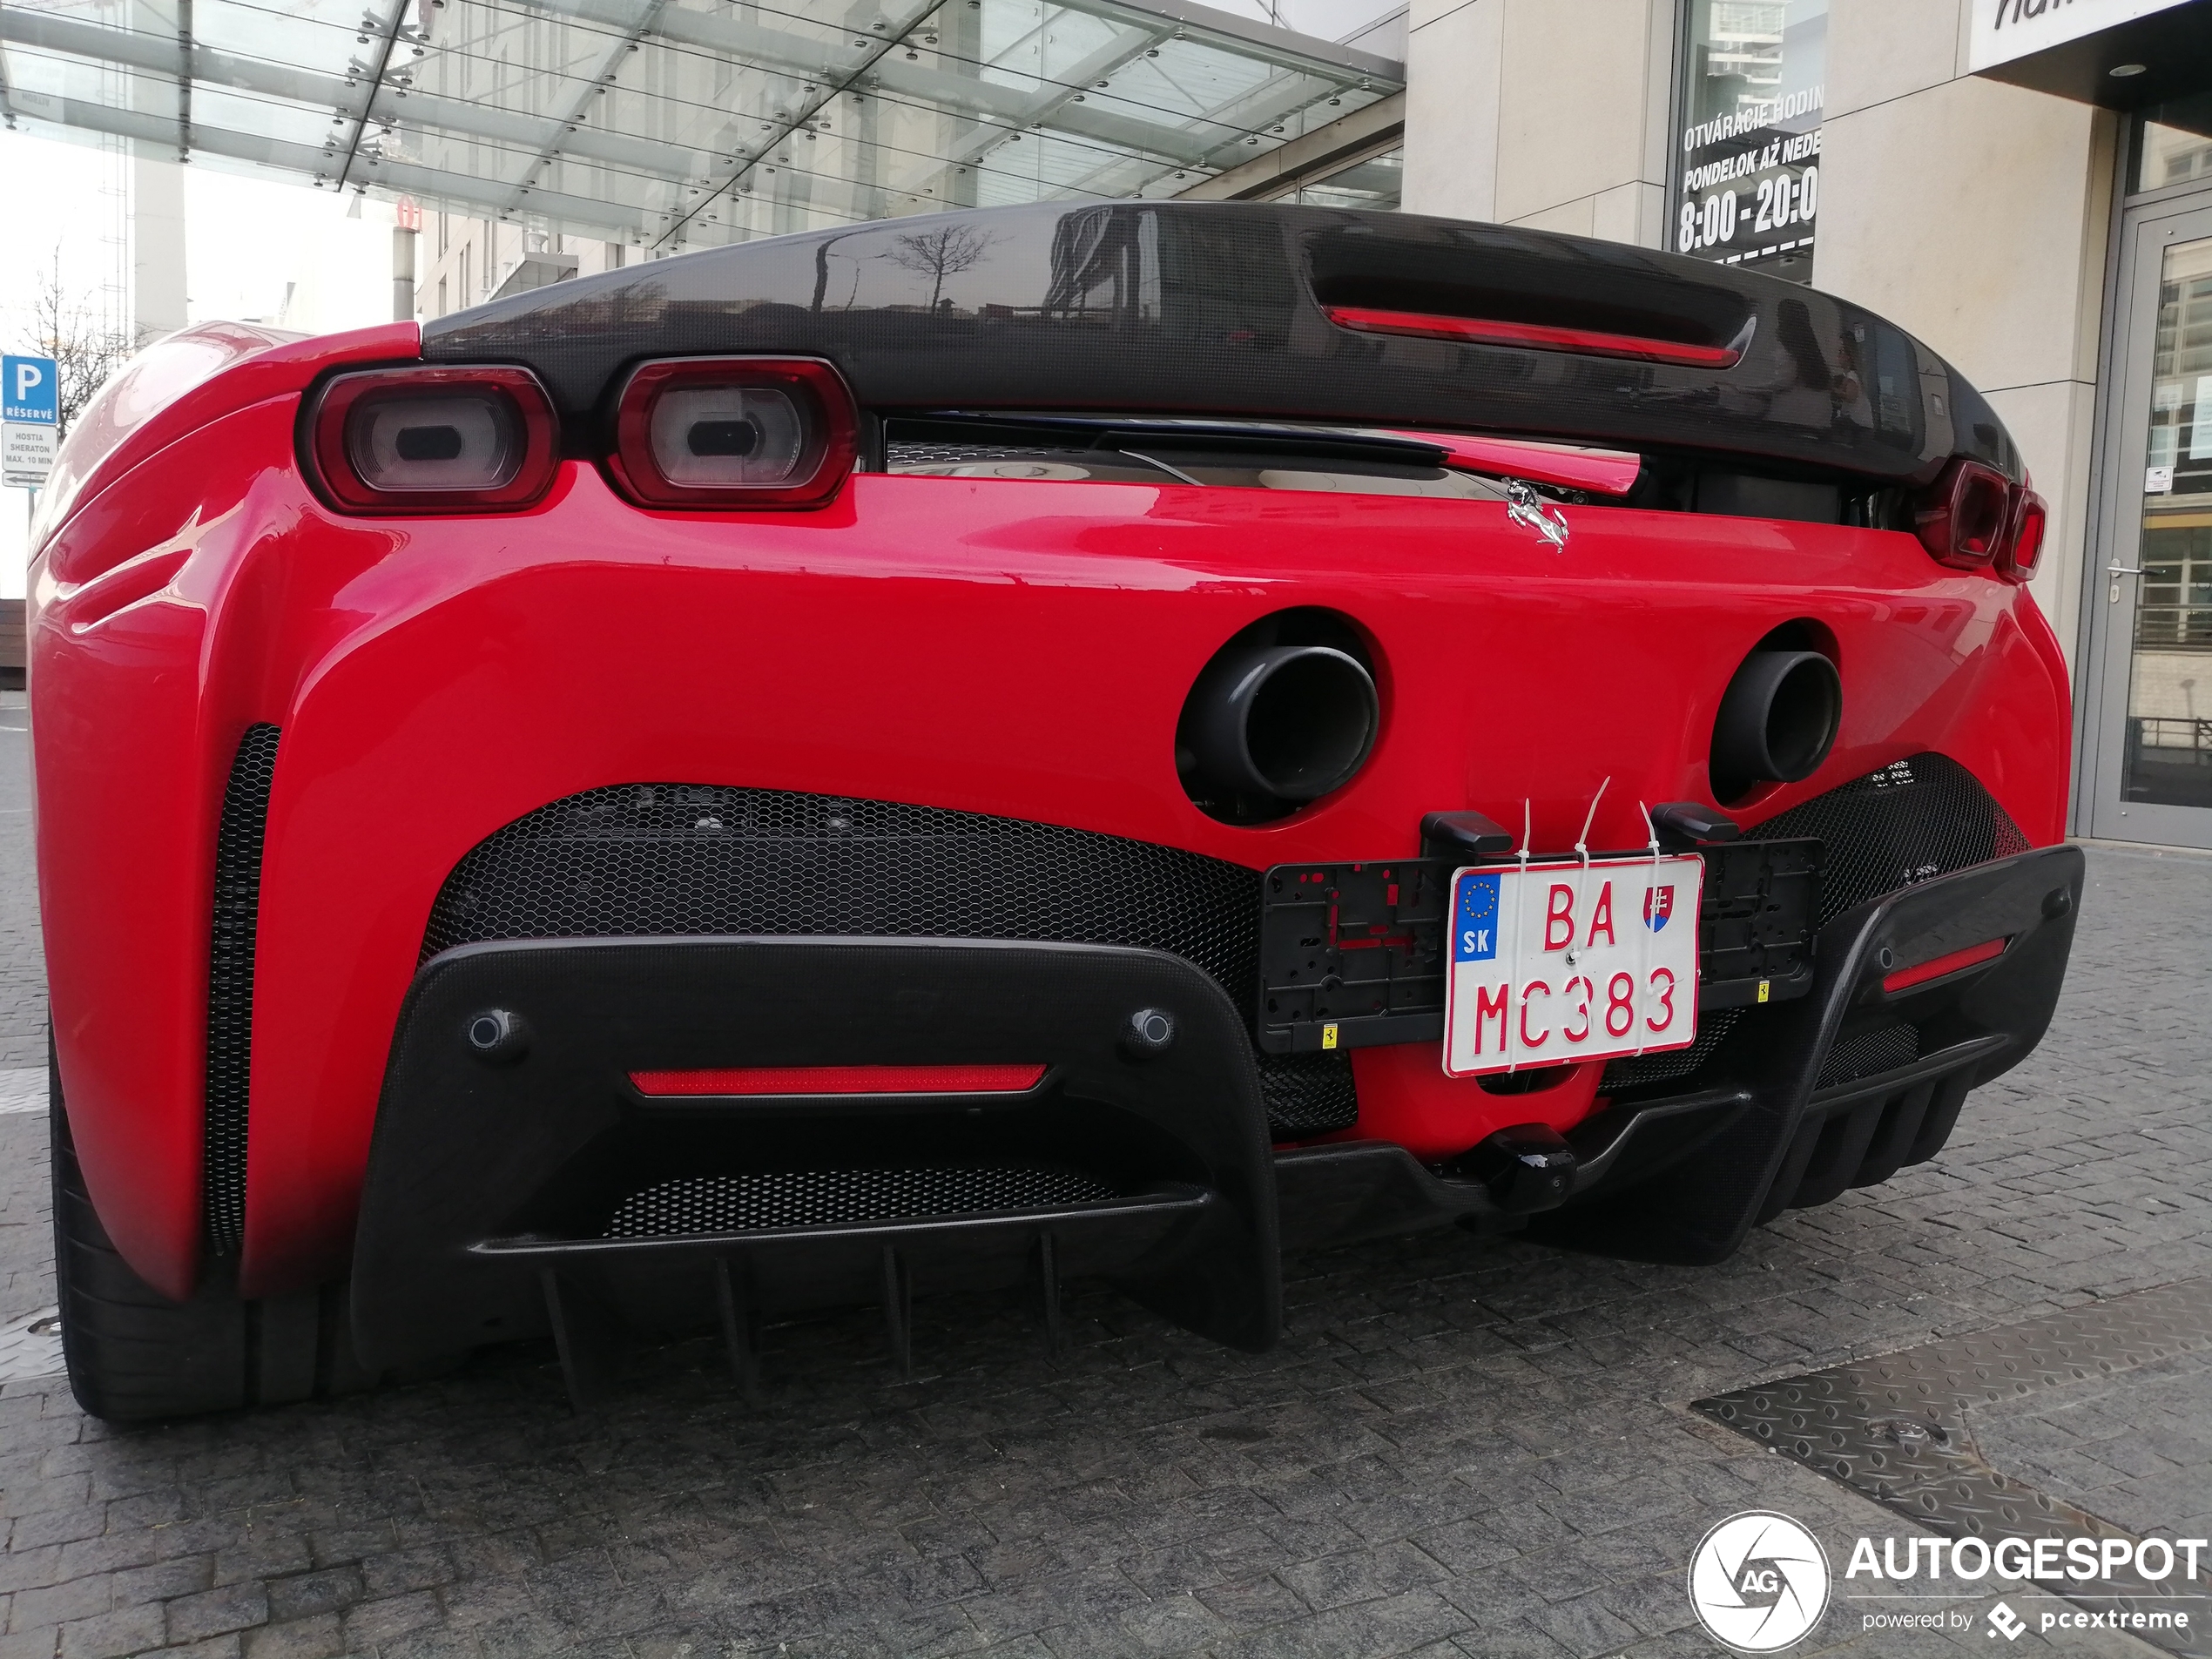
x=2174 y=144
x=1746 y=171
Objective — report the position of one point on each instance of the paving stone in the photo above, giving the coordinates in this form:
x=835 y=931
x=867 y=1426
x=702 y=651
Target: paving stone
x=1462 y=1446
x=315 y=1637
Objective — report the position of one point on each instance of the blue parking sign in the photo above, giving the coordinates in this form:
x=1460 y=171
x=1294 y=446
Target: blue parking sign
x=30 y=391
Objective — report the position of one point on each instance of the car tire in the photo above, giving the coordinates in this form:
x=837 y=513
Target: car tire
x=132 y=1354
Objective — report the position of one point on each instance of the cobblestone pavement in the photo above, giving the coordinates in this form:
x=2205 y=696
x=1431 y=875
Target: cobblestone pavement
x=1461 y=1446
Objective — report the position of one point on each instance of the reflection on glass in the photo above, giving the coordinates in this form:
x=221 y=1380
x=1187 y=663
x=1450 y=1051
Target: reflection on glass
x=2173 y=144
x=1373 y=182
x=2169 y=758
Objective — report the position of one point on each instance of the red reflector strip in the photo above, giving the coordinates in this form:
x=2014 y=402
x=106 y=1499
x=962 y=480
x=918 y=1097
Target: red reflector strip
x=1905 y=978
x=1537 y=336
x=841 y=1080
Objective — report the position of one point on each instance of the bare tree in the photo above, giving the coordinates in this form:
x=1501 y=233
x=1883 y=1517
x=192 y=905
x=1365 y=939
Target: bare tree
x=84 y=351
x=937 y=254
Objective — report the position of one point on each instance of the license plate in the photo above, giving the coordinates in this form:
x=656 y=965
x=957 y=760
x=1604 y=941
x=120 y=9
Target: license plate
x=1562 y=962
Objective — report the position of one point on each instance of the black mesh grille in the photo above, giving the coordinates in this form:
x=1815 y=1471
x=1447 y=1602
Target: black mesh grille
x=675 y=859
x=1645 y=1069
x=1869 y=1052
x=730 y=1204
x=644 y=860
x=1913 y=820
x=230 y=980
x=1307 y=1094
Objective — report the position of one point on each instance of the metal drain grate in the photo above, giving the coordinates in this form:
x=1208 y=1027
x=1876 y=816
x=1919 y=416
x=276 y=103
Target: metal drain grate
x=1896 y=1428
x=762 y=1203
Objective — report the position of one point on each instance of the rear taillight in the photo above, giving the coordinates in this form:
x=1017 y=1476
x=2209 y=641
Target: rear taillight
x=423 y=440
x=2023 y=543
x=1974 y=518
x=1962 y=518
x=733 y=432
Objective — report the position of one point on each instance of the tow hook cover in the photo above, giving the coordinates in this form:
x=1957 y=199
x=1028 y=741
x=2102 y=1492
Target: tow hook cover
x=1528 y=1168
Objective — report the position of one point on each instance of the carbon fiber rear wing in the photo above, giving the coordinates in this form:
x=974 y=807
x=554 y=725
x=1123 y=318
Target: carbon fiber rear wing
x=1283 y=312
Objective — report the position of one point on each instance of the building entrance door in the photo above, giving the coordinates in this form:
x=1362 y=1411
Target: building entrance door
x=2152 y=590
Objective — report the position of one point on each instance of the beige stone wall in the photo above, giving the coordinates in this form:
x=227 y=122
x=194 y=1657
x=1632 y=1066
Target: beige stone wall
x=1974 y=213
x=1551 y=114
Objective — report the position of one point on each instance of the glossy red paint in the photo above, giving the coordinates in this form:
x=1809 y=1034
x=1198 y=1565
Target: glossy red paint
x=179 y=385
x=1491 y=331
x=1015 y=648
x=840 y=1080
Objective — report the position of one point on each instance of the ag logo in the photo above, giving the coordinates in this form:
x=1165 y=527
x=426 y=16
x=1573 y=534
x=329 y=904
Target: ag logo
x=1760 y=1582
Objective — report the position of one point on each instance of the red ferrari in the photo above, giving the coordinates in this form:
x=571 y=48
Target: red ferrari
x=1108 y=741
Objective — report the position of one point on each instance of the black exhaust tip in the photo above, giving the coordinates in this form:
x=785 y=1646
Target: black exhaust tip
x=1272 y=725
x=1777 y=721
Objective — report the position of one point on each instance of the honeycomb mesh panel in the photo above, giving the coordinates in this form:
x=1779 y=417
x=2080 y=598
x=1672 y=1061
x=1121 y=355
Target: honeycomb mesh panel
x=760 y=1203
x=1642 y=1070
x=655 y=860
x=1869 y=1053
x=230 y=980
x=1914 y=819
x=1307 y=1094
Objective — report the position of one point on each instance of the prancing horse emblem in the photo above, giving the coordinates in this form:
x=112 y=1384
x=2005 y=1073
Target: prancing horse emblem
x=1539 y=515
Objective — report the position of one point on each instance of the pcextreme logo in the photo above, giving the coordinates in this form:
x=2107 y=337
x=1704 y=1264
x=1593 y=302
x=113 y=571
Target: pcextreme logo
x=1760 y=1582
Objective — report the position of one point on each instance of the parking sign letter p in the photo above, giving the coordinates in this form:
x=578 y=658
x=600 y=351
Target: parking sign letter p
x=27 y=376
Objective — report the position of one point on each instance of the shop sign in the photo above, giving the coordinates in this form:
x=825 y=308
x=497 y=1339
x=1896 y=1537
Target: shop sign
x=1747 y=155
x=2004 y=30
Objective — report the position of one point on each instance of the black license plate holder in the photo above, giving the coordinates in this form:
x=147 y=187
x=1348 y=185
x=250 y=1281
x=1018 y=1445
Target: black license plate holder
x=1351 y=952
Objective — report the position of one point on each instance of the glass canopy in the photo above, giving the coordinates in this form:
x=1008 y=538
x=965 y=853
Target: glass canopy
x=684 y=122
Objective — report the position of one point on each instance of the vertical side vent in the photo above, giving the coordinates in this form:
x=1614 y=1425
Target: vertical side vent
x=230 y=980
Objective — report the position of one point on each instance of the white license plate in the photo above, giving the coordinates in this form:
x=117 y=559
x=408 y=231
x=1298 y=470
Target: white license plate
x=1562 y=962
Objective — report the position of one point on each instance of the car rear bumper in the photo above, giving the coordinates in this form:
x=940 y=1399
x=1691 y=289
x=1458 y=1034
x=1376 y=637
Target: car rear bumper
x=541 y=1189
x=1020 y=650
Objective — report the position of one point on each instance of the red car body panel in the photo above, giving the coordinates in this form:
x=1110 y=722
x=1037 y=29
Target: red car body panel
x=1013 y=648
